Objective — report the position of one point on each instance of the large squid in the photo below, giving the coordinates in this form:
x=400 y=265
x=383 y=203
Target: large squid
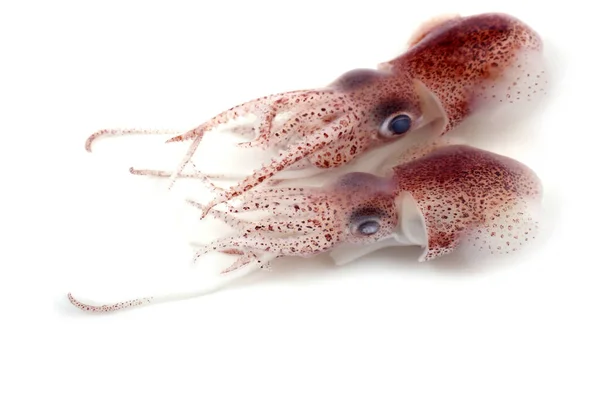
x=453 y=197
x=454 y=66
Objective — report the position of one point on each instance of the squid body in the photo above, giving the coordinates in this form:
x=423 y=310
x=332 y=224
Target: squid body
x=453 y=67
x=454 y=196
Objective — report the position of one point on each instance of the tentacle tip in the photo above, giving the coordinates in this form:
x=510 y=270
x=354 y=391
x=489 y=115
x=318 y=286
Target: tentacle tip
x=88 y=144
x=109 y=307
x=204 y=212
x=174 y=139
x=84 y=306
x=207 y=208
x=79 y=304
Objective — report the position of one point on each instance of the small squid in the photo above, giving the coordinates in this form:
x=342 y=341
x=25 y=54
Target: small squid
x=458 y=64
x=454 y=197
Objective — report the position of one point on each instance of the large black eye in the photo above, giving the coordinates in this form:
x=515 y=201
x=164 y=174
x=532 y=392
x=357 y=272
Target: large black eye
x=368 y=228
x=365 y=222
x=400 y=124
x=396 y=125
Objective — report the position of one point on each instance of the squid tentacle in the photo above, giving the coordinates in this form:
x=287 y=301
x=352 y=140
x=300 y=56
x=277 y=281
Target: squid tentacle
x=110 y=307
x=195 y=175
x=249 y=107
x=143 y=301
x=198 y=133
x=124 y=132
x=299 y=151
x=262 y=261
x=159 y=173
x=282 y=104
x=266 y=107
x=245 y=264
x=281 y=246
x=301 y=122
x=185 y=175
x=275 y=224
x=288 y=205
x=276 y=208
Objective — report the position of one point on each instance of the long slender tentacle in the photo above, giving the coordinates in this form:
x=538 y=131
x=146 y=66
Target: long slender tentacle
x=288 y=202
x=262 y=261
x=282 y=246
x=301 y=165
x=123 y=132
x=280 y=218
x=275 y=104
x=294 y=153
x=281 y=225
x=290 y=131
x=186 y=159
x=195 y=175
x=185 y=175
x=303 y=121
x=236 y=270
x=267 y=107
x=276 y=208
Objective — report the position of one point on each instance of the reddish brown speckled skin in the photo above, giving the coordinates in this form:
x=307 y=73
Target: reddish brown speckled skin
x=470 y=194
x=456 y=58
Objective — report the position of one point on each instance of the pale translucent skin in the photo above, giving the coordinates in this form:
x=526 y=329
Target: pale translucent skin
x=463 y=63
x=465 y=196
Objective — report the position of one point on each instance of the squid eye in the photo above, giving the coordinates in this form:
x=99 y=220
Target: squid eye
x=396 y=125
x=365 y=222
x=368 y=228
x=400 y=124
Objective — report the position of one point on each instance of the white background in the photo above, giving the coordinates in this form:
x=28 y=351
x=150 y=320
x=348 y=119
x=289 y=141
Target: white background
x=383 y=327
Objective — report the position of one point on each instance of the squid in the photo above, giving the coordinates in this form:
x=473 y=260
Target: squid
x=453 y=67
x=454 y=197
